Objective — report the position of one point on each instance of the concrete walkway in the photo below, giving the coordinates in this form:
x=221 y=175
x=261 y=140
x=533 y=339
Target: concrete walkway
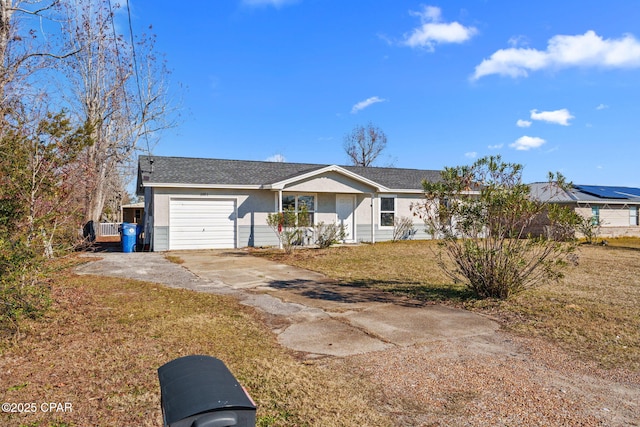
x=309 y=312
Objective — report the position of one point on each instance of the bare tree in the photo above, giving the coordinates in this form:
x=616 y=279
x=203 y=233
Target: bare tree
x=118 y=88
x=24 y=49
x=39 y=147
x=364 y=144
x=109 y=83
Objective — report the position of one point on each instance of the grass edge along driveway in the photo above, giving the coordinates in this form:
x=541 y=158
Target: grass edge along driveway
x=100 y=345
x=592 y=312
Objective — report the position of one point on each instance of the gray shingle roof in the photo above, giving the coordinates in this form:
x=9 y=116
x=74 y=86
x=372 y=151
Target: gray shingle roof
x=186 y=170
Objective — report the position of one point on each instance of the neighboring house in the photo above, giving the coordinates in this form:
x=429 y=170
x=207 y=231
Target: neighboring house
x=193 y=203
x=616 y=208
x=133 y=213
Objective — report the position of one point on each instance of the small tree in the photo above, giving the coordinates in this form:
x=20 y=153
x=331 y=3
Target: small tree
x=364 y=144
x=589 y=227
x=481 y=213
x=38 y=212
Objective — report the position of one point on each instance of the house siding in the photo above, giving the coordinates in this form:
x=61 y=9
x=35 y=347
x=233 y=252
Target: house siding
x=615 y=221
x=160 y=238
x=256 y=235
x=610 y=216
x=386 y=233
x=253 y=207
x=331 y=183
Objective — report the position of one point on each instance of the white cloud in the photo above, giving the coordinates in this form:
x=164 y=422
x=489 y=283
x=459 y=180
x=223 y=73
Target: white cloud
x=525 y=143
x=274 y=3
x=518 y=41
x=583 y=50
x=278 y=158
x=602 y=107
x=560 y=117
x=523 y=123
x=495 y=147
x=471 y=154
x=433 y=31
x=366 y=103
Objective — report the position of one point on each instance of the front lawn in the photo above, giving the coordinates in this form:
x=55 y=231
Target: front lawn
x=98 y=349
x=592 y=312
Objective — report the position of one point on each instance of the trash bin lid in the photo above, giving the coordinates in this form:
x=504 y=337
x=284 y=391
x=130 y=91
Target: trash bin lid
x=193 y=385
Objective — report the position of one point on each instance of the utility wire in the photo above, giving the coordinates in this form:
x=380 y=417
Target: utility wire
x=119 y=69
x=135 y=70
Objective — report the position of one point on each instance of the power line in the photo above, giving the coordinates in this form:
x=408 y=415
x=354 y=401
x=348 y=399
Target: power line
x=135 y=64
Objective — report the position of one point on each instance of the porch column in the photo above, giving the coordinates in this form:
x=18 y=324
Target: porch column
x=373 y=225
x=279 y=204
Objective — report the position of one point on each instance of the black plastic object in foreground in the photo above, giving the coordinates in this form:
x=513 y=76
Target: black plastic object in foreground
x=199 y=391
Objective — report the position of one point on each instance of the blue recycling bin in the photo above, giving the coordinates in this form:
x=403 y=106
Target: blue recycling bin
x=128 y=237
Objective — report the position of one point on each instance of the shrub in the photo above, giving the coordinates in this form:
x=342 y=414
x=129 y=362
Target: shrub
x=328 y=234
x=589 y=228
x=481 y=213
x=403 y=229
x=289 y=226
x=23 y=289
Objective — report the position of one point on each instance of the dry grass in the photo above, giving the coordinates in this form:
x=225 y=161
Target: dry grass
x=174 y=259
x=100 y=346
x=592 y=312
x=624 y=242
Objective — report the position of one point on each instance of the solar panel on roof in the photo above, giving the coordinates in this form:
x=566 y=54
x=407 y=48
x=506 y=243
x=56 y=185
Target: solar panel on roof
x=606 y=192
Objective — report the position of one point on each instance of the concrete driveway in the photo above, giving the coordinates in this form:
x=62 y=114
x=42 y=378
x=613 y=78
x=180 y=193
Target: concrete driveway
x=308 y=312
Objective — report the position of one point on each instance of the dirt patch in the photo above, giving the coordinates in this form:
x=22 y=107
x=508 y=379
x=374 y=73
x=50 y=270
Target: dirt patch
x=505 y=382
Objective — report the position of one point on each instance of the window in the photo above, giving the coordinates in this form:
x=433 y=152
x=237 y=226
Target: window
x=299 y=203
x=595 y=215
x=387 y=211
x=633 y=215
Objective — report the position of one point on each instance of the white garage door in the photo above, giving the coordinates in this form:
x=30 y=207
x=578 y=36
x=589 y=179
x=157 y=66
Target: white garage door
x=201 y=224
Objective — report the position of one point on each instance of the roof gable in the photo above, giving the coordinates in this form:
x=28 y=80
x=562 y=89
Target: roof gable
x=186 y=171
x=324 y=170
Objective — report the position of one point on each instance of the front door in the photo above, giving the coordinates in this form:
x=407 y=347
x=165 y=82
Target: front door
x=345 y=205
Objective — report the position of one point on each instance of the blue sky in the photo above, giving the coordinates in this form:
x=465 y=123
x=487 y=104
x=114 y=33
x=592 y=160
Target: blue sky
x=553 y=85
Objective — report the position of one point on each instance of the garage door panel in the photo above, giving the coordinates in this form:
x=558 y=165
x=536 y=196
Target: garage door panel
x=202 y=224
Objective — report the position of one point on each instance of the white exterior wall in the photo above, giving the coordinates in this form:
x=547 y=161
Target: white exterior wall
x=251 y=213
x=253 y=206
x=610 y=215
x=330 y=182
x=615 y=220
x=258 y=202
